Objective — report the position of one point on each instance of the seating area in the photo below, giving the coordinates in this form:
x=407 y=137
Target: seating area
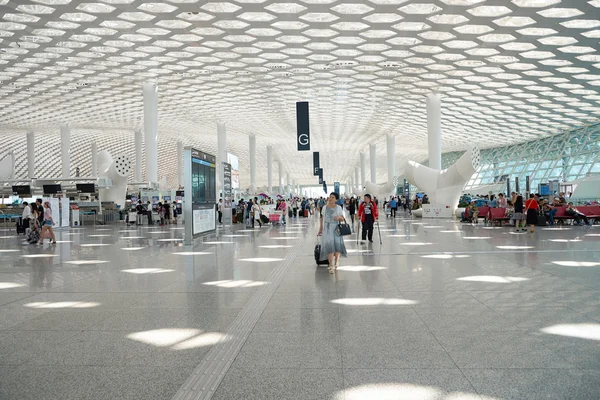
x=498 y=215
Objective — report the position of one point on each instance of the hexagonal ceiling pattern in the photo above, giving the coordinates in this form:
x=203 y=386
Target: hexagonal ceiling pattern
x=508 y=71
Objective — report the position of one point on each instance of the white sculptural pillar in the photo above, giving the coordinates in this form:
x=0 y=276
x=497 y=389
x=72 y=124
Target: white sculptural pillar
x=269 y=170
x=150 y=90
x=373 y=159
x=363 y=168
x=252 y=152
x=434 y=130
x=65 y=150
x=221 y=155
x=30 y=155
x=287 y=184
x=280 y=185
x=390 y=141
x=294 y=187
x=138 y=143
x=94 y=159
x=357 y=176
x=179 y=164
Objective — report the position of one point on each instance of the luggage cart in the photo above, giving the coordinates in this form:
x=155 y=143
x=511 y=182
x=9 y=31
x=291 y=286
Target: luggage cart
x=275 y=217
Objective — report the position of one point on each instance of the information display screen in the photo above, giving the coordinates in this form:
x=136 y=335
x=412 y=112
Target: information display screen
x=86 y=187
x=52 y=189
x=24 y=190
x=204 y=218
x=203 y=178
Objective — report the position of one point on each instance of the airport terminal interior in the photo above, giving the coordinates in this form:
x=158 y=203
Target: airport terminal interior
x=299 y=199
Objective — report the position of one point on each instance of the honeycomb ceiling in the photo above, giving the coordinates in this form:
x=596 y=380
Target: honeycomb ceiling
x=508 y=71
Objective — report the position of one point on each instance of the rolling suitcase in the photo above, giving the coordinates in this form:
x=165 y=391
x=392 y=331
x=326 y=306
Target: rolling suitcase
x=264 y=219
x=318 y=256
x=20 y=227
x=305 y=213
x=541 y=221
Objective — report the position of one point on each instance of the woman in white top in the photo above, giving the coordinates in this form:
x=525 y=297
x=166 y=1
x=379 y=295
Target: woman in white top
x=332 y=245
x=257 y=211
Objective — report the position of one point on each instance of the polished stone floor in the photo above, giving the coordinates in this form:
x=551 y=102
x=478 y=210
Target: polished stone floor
x=440 y=311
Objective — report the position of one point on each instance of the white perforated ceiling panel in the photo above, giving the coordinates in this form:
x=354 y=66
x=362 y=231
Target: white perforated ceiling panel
x=509 y=71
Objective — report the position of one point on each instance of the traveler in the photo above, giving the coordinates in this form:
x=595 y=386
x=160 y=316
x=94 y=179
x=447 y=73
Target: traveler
x=549 y=212
x=48 y=223
x=283 y=208
x=167 y=212
x=492 y=202
x=26 y=216
x=140 y=213
x=352 y=209
x=149 y=213
x=256 y=213
x=502 y=203
x=577 y=215
x=393 y=206
x=425 y=199
x=332 y=245
x=368 y=214
x=531 y=211
x=174 y=212
x=39 y=211
x=220 y=210
x=518 y=215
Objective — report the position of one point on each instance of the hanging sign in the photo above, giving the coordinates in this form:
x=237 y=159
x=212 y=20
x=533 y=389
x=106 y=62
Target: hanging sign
x=302 y=126
x=316 y=163
x=320 y=176
x=336 y=187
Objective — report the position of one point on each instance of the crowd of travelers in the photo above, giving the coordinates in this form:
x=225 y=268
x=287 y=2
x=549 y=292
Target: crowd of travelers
x=37 y=222
x=521 y=211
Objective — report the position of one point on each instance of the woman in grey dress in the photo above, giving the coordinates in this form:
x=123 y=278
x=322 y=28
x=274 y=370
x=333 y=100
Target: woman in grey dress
x=332 y=245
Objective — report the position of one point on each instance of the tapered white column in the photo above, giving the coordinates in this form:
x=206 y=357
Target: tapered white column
x=94 y=159
x=139 y=139
x=151 y=130
x=280 y=185
x=179 y=164
x=269 y=170
x=294 y=186
x=363 y=168
x=65 y=150
x=30 y=155
x=434 y=130
x=390 y=141
x=288 y=184
x=357 y=177
x=373 y=159
x=252 y=153
x=221 y=155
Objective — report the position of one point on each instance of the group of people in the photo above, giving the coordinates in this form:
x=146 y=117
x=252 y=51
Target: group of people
x=332 y=214
x=166 y=213
x=526 y=212
x=38 y=222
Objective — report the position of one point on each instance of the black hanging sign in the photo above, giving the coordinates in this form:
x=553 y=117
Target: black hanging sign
x=320 y=174
x=302 y=125
x=315 y=163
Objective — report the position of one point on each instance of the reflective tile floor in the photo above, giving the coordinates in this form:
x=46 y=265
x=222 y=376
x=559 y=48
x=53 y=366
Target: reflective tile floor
x=440 y=311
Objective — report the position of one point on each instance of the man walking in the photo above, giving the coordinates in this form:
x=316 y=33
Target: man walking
x=393 y=207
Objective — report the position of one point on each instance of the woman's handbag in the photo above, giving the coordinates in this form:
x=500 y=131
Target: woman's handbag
x=343 y=229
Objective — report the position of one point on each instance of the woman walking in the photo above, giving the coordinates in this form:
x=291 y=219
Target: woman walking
x=48 y=223
x=332 y=244
x=256 y=212
x=531 y=208
x=352 y=209
x=518 y=215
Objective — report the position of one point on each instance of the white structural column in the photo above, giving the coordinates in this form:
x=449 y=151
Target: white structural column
x=390 y=141
x=373 y=159
x=287 y=184
x=94 y=159
x=294 y=186
x=65 y=150
x=280 y=181
x=252 y=152
x=30 y=155
x=138 y=155
x=179 y=164
x=269 y=170
x=221 y=155
x=151 y=130
x=357 y=177
x=434 y=130
x=363 y=168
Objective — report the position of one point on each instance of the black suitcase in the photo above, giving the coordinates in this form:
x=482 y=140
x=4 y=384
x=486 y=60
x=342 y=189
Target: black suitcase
x=541 y=220
x=318 y=256
x=20 y=227
x=264 y=219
